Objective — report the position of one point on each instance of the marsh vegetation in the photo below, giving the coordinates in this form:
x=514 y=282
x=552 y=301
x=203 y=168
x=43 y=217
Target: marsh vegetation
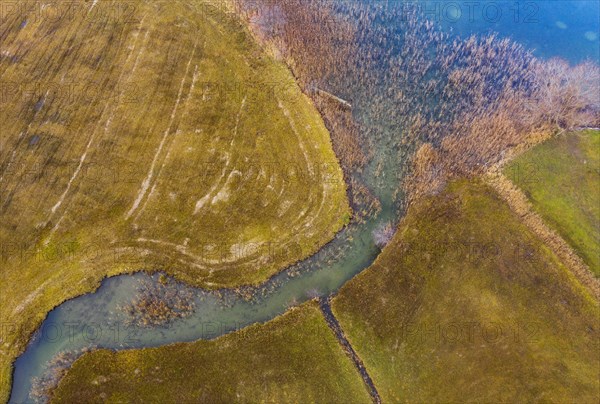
x=158 y=303
x=382 y=76
x=461 y=102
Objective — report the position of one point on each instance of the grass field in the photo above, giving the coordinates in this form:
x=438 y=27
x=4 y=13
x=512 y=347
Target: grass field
x=561 y=177
x=150 y=135
x=294 y=358
x=466 y=305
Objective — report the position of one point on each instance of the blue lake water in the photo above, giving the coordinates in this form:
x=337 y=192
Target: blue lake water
x=569 y=29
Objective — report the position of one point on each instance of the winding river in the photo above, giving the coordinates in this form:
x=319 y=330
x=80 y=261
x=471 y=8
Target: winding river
x=94 y=320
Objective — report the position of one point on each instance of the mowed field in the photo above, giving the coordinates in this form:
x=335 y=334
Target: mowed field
x=150 y=136
x=466 y=305
x=293 y=358
x=561 y=177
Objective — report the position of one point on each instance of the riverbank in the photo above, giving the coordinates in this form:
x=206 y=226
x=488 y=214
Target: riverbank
x=468 y=299
x=292 y=358
x=395 y=123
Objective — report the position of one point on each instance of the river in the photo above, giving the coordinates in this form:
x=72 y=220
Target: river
x=554 y=28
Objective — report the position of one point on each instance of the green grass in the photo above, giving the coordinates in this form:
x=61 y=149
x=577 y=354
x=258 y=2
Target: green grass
x=562 y=179
x=466 y=305
x=294 y=358
x=163 y=140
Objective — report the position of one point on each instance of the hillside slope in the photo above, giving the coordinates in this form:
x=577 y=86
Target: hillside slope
x=156 y=136
x=561 y=177
x=467 y=305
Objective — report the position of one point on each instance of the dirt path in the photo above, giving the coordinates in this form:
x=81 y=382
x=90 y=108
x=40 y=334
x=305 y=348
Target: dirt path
x=324 y=305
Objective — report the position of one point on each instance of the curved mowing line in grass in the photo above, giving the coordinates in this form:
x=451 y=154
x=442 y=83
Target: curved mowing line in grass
x=220 y=312
x=94 y=320
x=70 y=327
x=167 y=139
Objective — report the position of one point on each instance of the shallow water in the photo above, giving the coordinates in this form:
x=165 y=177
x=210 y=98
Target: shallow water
x=94 y=320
